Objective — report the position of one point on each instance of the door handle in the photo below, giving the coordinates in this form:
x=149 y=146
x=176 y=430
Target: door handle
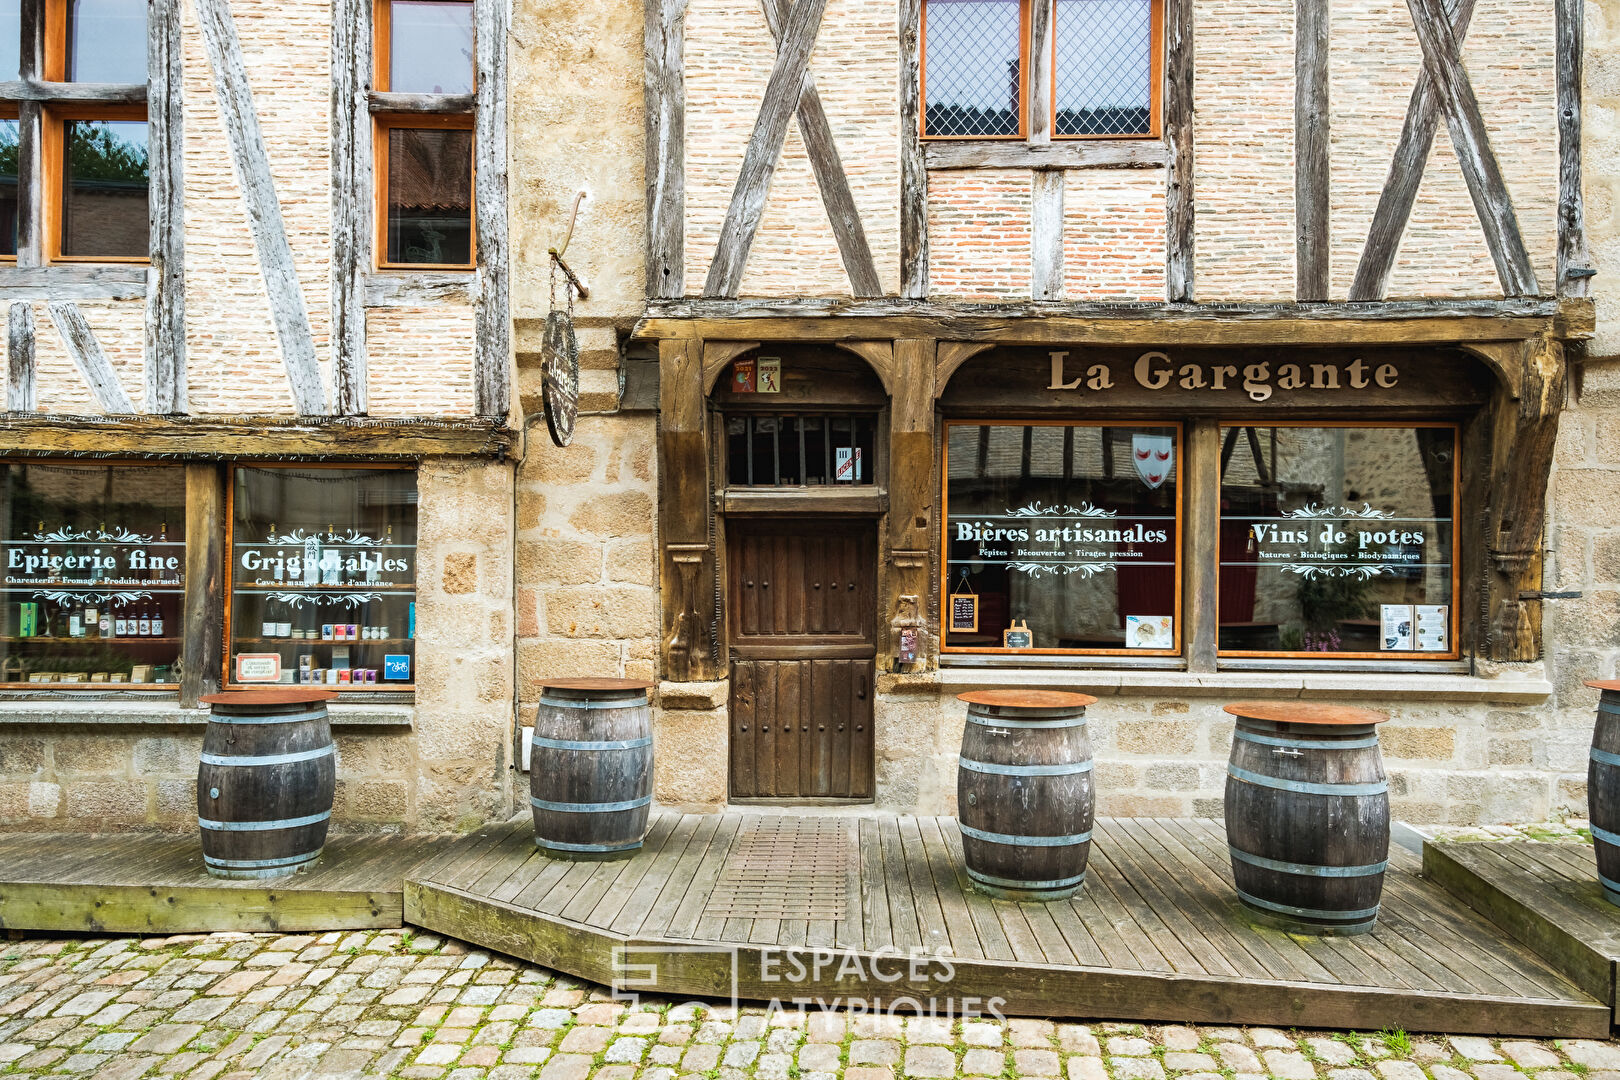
x=860 y=686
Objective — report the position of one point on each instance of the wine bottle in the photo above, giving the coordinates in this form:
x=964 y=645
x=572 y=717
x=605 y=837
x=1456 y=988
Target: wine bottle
x=106 y=622
x=92 y=621
x=145 y=624
x=120 y=623
x=75 y=621
x=157 y=621
x=267 y=628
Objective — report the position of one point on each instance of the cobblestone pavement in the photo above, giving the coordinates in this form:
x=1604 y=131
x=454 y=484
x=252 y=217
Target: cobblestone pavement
x=233 y=1006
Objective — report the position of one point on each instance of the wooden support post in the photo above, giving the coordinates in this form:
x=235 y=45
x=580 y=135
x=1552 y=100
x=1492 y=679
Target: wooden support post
x=166 y=278
x=913 y=167
x=913 y=486
x=21 y=373
x=202 y=647
x=685 y=509
x=241 y=122
x=1312 y=175
x=664 y=36
x=1178 y=137
x=1574 y=260
x=1046 y=234
x=30 y=137
x=1523 y=417
x=1200 y=542
x=351 y=201
x=492 y=359
x=1039 y=121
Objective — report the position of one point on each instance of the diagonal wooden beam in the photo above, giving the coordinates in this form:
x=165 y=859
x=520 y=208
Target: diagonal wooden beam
x=87 y=356
x=241 y=122
x=782 y=92
x=830 y=178
x=1405 y=177
x=1442 y=58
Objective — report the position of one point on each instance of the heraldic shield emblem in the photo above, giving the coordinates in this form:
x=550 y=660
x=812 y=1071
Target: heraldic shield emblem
x=1155 y=456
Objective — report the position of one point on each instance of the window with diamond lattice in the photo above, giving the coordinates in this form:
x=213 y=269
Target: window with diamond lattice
x=1104 y=74
x=1104 y=65
x=974 y=68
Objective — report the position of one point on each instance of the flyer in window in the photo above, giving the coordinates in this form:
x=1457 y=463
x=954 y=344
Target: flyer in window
x=1433 y=628
x=1150 y=632
x=1397 y=628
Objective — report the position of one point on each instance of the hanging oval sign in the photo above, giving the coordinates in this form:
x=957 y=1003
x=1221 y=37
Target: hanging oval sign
x=559 y=369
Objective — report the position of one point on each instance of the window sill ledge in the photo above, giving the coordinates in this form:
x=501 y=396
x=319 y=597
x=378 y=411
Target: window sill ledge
x=1369 y=686
x=116 y=713
x=1141 y=153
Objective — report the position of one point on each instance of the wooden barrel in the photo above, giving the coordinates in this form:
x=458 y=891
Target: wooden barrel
x=1307 y=815
x=265 y=781
x=590 y=768
x=1024 y=795
x=1603 y=789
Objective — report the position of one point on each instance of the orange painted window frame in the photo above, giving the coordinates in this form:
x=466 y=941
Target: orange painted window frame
x=382 y=124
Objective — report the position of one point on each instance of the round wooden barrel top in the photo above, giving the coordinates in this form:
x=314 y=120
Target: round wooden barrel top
x=293 y=695
x=608 y=685
x=1027 y=699
x=1286 y=712
x=1612 y=685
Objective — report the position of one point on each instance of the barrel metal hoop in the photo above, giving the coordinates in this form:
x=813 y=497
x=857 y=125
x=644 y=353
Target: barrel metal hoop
x=283 y=718
x=1308 y=913
x=590 y=807
x=260 y=864
x=1018 y=883
x=1604 y=835
x=997 y=721
x=1013 y=840
x=1275 y=727
x=1604 y=706
x=622 y=703
x=585 y=744
x=1603 y=757
x=1307 y=869
x=271 y=759
x=1610 y=886
x=558 y=845
x=1309 y=744
x=1026 y=770
x=263 y=826
x=1305 y=788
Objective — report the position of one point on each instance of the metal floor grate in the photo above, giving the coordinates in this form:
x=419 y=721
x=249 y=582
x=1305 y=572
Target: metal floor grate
x=791 y=868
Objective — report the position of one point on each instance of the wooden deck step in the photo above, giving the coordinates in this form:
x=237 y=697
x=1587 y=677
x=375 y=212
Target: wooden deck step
x=1156 y=934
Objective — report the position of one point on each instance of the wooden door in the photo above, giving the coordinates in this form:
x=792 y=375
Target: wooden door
x=803 y=616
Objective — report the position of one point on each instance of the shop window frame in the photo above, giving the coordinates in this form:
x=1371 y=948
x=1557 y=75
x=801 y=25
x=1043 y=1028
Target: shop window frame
x=227 y=674
x=1028 y=56
x=26 y=690
x=1455 y=653
x=438 y=112
x=1178 y=653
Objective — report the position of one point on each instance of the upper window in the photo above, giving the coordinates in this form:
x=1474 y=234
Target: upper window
x=92 y=202
x=1104 y=64
x=1338 y=540
x=94 y=568
x=424 y=153
x=1062 y=538
x=799 y=451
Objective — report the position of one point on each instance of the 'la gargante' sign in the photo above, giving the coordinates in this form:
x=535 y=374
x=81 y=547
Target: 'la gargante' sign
x=1259 y=379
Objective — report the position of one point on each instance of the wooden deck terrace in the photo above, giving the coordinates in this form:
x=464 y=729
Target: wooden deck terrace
x=831 y=908
x=1547 y=896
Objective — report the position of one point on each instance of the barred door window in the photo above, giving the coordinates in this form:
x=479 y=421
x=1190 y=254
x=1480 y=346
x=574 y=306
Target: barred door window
x=1104 y=62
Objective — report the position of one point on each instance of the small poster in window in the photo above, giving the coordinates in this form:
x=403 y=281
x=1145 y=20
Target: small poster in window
x=847 y=465
x=1150 y=632
x=397 y=667
x=1018 y=636
x=258 y=667
x=964 y=613
x=1396 y=635
x=742 y=376
x=1433 y=624
x=769 y=375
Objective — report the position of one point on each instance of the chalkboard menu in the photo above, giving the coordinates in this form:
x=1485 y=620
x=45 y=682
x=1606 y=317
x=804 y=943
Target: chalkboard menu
x=964 y=612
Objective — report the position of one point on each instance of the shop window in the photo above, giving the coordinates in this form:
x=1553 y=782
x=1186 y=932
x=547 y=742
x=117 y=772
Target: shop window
x=1105 y=68
x=789 y=451
x=323 y=577
x=94 y=575
x=426 y=193
x=1062 y=538
x=1338 y=541
x=424 y=141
